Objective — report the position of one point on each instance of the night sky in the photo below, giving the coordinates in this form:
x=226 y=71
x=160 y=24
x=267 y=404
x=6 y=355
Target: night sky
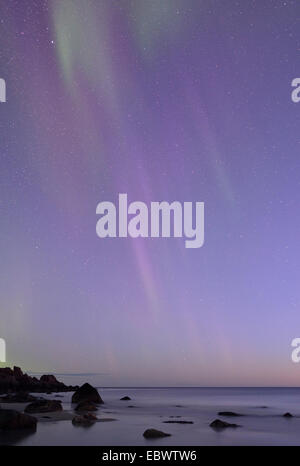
x=162 y=100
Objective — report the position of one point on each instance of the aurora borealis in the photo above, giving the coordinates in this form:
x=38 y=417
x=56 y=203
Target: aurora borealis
x=163 y=100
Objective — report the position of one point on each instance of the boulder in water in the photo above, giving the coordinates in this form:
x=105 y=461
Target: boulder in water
x=218 y=424
x=86 y=393
x=44 y=406
x=153 y=433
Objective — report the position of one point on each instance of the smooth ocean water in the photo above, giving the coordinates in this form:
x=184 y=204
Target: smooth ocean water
x=262 y=424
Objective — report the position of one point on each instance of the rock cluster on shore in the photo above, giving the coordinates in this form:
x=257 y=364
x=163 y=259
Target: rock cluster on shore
x=16 y=386
x=14 y=380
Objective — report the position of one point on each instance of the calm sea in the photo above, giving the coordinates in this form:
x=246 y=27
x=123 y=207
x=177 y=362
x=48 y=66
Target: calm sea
x=262 y=423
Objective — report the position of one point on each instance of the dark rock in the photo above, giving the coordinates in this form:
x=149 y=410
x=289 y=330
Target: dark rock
x=229 y=414
x=13 y=420
x=287 y=415
x=125 y=398
x=218 y=424
x=18 y=373
x=44 y=406
x=178 y=422
x=21 y=397
x=85 y=420
x=49 y=379
x=14 y=380
x=86 y=393
x=7 y=380
x=153 y=433
x=86 y=406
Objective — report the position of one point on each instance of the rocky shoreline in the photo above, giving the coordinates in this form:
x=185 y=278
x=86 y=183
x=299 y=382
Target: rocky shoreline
x=16 y=388
x=22 y=408
x=15 y=381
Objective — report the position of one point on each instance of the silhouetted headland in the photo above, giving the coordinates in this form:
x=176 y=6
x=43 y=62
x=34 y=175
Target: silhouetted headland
x=15 y=381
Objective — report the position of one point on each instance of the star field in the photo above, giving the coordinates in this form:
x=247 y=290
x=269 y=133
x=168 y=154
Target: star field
x=162 y=100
